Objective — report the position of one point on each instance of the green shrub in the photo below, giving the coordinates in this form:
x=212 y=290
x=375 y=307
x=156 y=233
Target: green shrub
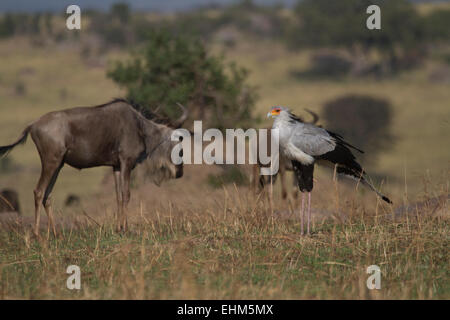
x=171 y=69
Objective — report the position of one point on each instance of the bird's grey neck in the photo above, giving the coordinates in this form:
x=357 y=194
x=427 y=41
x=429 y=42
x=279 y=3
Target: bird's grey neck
x=283 y=120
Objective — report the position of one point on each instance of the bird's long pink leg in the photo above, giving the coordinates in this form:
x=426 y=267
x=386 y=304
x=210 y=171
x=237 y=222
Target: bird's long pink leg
x=309 y=211
x=302 y=213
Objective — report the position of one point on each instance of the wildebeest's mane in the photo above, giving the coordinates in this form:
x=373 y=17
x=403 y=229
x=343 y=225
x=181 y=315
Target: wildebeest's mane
x=145 y=112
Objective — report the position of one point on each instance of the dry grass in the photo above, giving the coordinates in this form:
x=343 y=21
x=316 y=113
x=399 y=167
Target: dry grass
x=228 y=244
x=236 y=249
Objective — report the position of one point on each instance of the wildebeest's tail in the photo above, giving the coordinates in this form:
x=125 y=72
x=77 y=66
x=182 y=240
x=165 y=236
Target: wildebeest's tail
x=22 y=139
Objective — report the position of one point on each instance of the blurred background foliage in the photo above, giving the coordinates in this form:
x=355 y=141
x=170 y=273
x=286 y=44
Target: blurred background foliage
x=403 y=41
x=229 y=63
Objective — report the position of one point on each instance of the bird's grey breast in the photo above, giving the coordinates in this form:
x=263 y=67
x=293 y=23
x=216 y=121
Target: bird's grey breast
x=285 y=129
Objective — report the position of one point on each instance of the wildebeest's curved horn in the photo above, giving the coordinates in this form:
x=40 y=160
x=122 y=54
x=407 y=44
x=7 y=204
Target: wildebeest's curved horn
x=178 y=123
x=314 y=115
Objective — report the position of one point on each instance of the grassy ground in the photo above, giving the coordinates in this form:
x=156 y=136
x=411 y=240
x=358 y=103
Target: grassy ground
x=235 y=250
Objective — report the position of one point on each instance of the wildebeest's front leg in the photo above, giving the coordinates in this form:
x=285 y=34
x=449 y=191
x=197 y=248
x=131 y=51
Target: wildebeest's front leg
x=125 y=175
x=116 y=172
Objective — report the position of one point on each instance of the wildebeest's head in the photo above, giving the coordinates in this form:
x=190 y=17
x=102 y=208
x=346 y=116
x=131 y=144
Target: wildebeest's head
x=160 y=164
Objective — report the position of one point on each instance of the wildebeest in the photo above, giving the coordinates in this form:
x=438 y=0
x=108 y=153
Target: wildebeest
x=112 y=134
x=260 y=181
x=9 y=201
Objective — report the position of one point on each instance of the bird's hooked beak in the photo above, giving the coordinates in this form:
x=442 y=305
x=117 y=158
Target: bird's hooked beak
x=274 y=112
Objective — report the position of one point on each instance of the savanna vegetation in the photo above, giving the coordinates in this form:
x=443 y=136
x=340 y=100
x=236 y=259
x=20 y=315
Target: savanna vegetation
x=208 y=235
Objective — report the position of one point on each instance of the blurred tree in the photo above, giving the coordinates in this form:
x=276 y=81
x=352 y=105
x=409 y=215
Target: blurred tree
x=362 y=120
x=48 y=21
x=7 y=26
x=173 y=69
x=323 y=23
x=114 y=26
x=121 y=11
x=35 y=24
x=437 y=25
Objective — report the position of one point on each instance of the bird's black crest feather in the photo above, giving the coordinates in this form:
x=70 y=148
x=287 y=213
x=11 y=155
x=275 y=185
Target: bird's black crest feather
x=294 y=118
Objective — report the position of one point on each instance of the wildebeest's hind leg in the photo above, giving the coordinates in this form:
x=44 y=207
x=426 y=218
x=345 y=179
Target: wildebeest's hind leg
x=283 y=184
x=117 y=182
x=49 y=168
x=47 y=201
x=255 y=178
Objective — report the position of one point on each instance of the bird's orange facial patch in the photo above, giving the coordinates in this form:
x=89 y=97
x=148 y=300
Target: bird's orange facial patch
x=275 y=111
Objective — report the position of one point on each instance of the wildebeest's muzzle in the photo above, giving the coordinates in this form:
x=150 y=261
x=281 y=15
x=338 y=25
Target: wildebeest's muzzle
x=178 y=171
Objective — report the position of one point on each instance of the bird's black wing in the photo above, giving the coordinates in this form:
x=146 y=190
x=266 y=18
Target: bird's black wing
x=304 y=175
x=341 y=140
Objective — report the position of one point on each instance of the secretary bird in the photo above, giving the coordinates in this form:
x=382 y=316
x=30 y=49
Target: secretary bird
x=304 y=144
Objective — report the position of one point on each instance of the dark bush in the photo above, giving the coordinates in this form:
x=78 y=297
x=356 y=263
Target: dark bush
x=20 y=88
x=364 y=121
x=330 y=64
x=9 y=201
x=5 y=165
x=326 y=64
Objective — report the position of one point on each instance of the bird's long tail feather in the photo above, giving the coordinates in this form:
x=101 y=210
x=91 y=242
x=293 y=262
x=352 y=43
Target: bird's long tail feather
x=349 y=173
